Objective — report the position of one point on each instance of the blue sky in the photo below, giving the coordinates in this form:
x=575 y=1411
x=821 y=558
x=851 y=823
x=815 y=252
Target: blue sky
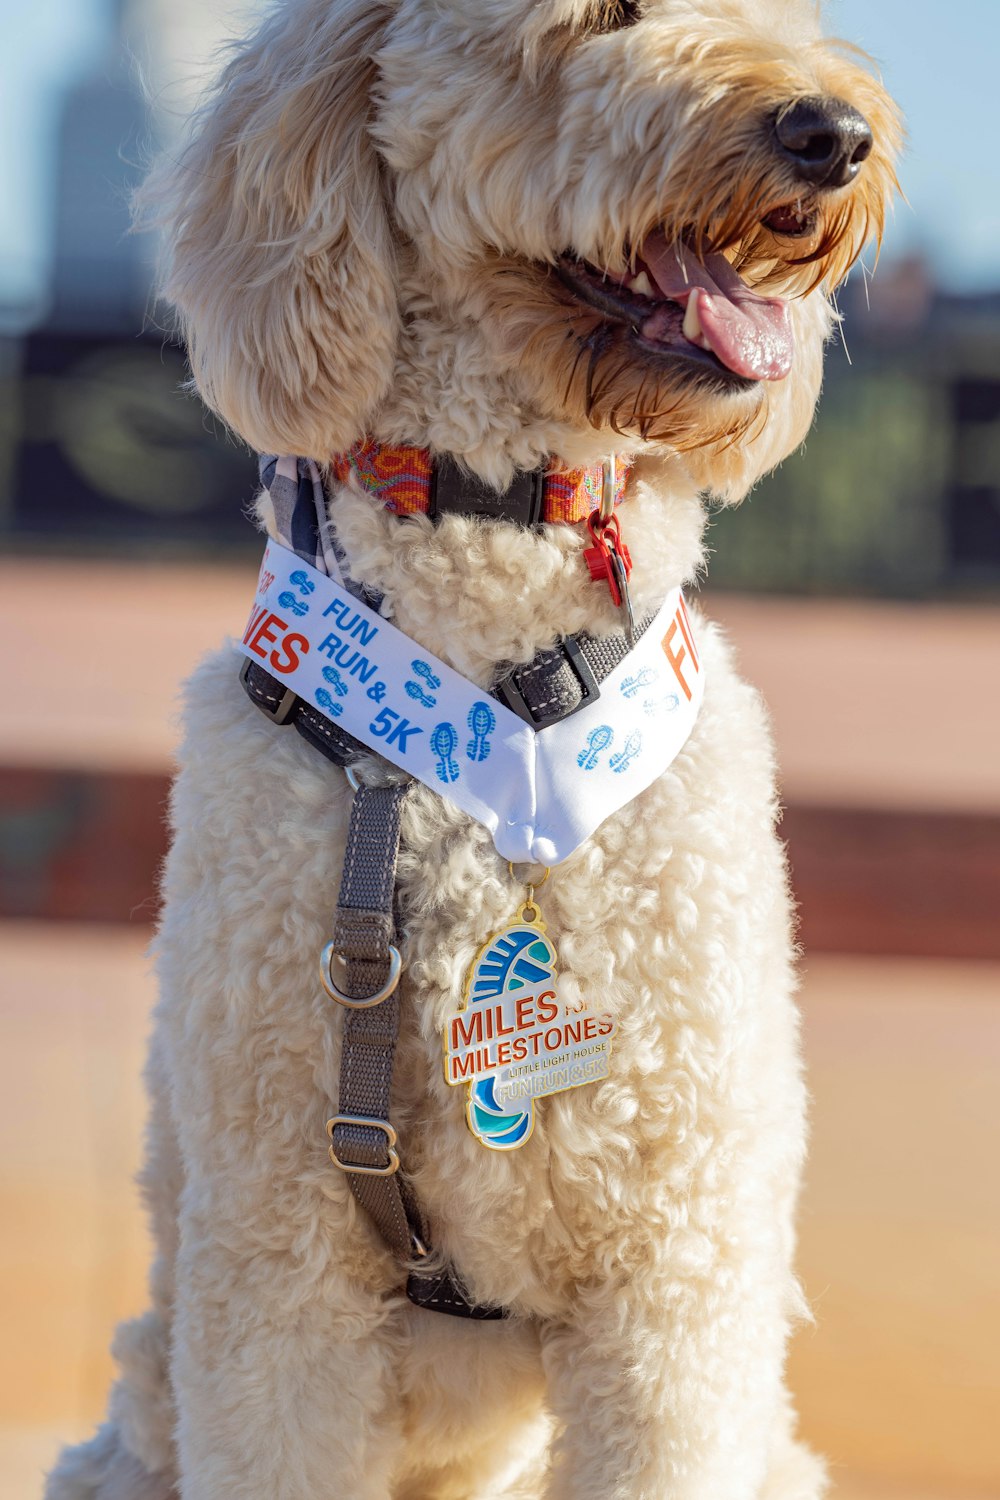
x=939 y=60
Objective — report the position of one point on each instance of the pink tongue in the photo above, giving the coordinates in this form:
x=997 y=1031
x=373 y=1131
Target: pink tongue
x=750 y=334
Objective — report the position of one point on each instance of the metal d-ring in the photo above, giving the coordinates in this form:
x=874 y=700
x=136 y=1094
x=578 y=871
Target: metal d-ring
x=356 y=784
x=366 y=1002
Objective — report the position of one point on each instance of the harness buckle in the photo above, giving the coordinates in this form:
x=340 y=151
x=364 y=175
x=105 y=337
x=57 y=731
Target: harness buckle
x=510 y=694
x=349 y=1166
x=282 y=711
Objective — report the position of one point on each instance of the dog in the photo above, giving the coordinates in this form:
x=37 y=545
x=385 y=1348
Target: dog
x=522 y=236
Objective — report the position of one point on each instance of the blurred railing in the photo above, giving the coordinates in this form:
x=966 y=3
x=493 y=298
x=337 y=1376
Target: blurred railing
x=896 y=492
x=101 y=448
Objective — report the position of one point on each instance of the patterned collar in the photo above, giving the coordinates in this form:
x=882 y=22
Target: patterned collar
x=401 y=479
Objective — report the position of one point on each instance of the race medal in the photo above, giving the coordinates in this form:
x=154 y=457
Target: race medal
x=514 y=1039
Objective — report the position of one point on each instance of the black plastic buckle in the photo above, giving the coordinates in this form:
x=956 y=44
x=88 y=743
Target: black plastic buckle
x=509 y=693
x=285 y=706
x=454 y=492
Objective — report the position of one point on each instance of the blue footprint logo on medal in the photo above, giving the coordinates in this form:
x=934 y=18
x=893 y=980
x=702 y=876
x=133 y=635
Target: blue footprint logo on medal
x=518 y=958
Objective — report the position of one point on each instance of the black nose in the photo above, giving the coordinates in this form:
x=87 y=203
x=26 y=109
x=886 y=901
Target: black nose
x=823 y=140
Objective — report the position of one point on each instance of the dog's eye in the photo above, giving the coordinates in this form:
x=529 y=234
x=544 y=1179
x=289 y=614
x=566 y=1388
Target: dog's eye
x=615 y=15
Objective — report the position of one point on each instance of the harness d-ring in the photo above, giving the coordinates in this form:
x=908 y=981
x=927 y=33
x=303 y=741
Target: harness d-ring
x=366 y=1002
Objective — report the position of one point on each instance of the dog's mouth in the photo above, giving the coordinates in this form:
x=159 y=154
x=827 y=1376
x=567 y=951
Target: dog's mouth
x=792 y=221
x=701 y=311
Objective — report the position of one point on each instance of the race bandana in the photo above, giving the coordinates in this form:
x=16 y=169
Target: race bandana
x=540 y=793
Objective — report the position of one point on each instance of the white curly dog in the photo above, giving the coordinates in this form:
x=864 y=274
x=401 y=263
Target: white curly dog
x=528 y=235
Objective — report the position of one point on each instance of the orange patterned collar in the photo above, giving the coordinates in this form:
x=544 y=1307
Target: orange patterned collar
x=400 y=478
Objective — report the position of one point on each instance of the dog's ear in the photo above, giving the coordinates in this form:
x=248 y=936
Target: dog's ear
x=278 y=246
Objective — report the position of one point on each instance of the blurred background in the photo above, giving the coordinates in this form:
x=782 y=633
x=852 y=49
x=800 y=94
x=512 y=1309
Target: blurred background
x=861 y=585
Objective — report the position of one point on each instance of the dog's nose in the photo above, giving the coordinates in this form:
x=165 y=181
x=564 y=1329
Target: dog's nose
x=823 y=140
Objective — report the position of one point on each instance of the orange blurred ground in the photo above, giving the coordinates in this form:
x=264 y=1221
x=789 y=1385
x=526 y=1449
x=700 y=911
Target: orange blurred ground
x=874 y=706
x=899 y=1382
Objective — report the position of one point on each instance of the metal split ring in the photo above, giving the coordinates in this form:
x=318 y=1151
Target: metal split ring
x=609 y=487
x=537 y=885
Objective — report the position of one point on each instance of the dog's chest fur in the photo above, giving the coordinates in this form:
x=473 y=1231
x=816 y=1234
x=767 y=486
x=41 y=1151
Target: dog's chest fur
x=674 y=915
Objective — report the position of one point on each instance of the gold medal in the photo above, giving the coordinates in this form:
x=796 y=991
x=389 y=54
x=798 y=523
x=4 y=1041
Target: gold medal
x=514 y=1040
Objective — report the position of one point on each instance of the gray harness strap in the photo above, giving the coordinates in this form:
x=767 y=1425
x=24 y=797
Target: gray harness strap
x=363 y=940
x=362 y=1138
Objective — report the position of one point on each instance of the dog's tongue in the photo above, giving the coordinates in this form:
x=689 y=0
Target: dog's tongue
x=750 y=334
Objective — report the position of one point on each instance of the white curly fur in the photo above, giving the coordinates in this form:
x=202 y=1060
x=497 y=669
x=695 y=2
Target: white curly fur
x=362 y=233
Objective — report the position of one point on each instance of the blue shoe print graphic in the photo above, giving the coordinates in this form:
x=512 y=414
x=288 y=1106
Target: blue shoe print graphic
x=667 y=704
x=416 y=692
x=444 y=738
x=598 y=740
x=333 y=677
x=518 y=957
x=643 y=678
x=330 y=706
x=288 y=600
x=424 y=695
x=482 y=721
x=302 y=583
x=625 y=757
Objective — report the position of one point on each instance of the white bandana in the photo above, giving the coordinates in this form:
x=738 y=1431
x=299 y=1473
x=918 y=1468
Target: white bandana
x=541 y=792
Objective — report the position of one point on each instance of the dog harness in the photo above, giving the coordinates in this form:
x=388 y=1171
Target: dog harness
x=361 y=966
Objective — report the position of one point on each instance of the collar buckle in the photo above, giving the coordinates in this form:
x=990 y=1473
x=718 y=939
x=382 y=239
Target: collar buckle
x=454 y=491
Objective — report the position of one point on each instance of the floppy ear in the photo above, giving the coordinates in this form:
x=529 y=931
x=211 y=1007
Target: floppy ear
x=279 y=254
